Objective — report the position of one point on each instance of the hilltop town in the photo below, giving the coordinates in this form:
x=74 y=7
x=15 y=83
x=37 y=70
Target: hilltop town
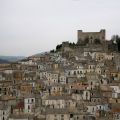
x=79 y=81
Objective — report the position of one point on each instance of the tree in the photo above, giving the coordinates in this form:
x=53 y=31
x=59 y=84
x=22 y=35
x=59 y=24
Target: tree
x=58 y=47
x=52 y=51
x=72 y=45
x=116 y=40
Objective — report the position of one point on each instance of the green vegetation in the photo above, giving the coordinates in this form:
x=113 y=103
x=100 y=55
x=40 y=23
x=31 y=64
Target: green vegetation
x=52 y=51
x=72 y=45
x=116 y=38
x=59 y=47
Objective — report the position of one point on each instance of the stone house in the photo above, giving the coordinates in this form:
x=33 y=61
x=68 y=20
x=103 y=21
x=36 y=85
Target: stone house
x=53 y=114
x=4 y=111
x=91 y=108
x=59 y=102
x=52 y=77
x=25 y=88
x=21 y=117
x=62 y=79
x=56 y=89
x=29 y=104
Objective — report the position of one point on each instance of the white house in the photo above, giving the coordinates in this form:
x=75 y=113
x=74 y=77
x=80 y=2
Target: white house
x=4 y=112
x=29 y=104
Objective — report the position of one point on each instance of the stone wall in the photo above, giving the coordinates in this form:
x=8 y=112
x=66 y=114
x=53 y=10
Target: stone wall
x=91 y=37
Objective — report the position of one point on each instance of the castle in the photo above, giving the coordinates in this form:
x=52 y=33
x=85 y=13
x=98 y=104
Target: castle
x=91 y=37
x=90 y=41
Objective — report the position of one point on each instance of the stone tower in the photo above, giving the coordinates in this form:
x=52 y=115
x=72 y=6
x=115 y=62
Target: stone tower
x=91 y=37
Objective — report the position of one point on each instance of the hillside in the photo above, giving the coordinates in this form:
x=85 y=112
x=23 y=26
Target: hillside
x=3 y=61
x=11 y=58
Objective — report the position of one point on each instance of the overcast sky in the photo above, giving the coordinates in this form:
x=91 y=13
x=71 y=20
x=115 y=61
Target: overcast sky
x=28 y=27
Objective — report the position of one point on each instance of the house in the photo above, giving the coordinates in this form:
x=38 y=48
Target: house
x=25 y=88
x=5 y=111
x=52 y=77
x=19 y=107
x=21 y=117
x=53 y=114
x=56 y=89
x=62 y=79
x=91 y=108
x=29 y=104
x=115 y=111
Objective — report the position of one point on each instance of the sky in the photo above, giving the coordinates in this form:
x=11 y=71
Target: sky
x=28 y=27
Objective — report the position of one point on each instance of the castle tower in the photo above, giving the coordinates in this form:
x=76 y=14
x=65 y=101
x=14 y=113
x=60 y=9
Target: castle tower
x=91 y=37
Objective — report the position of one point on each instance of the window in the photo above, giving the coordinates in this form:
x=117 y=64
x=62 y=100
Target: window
x=86 y=94
x=0 y=90
x=91 y=83
x=68 y=73
x=83 y=117
x=28 y=107
x=71 y=115
x=32 y=100
x=3 y=112
x=74 y=72
x=101 y=82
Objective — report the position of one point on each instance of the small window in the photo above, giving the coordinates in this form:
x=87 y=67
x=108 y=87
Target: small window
x=71 y=115
x=28 y=107
x=91 y=37
x=74 y=72
x=32 y=100
x=91 y=83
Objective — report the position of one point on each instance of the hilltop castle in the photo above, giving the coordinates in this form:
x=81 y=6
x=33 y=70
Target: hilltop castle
x=91 y=37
